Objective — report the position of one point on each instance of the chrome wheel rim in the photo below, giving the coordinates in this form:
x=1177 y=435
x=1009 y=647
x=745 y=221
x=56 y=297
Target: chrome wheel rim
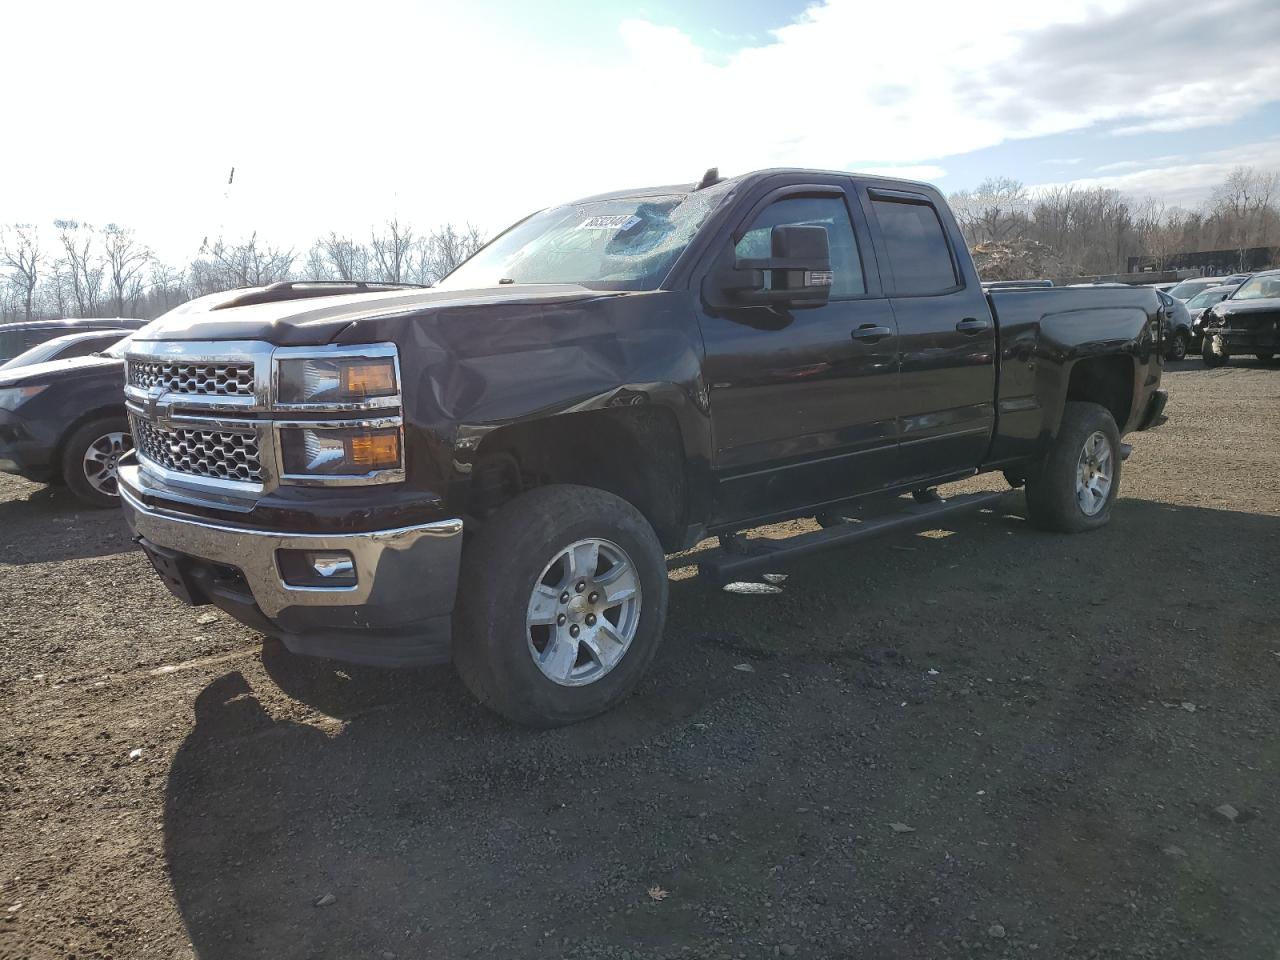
x=584 y=612
x=100 y=460
x=1094 y=474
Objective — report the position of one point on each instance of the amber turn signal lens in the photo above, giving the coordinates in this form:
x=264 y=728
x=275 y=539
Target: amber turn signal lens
x=369 y=379
x=375 y=451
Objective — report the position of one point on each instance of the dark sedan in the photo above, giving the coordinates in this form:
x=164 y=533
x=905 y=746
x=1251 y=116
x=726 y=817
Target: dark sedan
x=64 y=348
x=1247 y=322
x=16 y=338
x=64 y=421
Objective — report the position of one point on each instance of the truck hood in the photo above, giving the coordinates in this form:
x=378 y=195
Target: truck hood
x=57 y=370
x=318 y=320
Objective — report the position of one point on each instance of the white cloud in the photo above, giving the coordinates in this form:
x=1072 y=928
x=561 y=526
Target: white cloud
x=1062 y=161
x=437 y=112
x=1181 y=180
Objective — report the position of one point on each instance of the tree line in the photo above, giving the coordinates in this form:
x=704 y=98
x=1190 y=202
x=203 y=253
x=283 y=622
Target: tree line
x=79 y=270
x=1088 y=231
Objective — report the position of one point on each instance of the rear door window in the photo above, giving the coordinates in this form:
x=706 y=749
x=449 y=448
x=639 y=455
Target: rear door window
x=916 y=246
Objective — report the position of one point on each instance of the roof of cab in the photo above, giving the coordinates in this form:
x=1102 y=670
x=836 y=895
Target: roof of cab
x=677 y=189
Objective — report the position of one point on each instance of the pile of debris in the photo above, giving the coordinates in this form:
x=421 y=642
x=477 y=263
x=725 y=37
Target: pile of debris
x=1017 y=260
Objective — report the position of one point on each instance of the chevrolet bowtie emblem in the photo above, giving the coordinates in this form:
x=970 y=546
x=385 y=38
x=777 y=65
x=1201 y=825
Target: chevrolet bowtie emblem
x=153 y=401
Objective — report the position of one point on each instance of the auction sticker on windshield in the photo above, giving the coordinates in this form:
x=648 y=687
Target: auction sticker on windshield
x=619 y=222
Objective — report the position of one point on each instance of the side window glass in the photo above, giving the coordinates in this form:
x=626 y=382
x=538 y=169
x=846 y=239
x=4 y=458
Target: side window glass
x=829 y=212
x=916 y=246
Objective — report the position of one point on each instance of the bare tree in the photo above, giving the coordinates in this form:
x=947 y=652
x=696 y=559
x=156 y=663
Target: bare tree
x=226 y=266
x=338 y=258
x=20 y=255
x=392 y=252
x=80 y=266
x=125 y=260
x=996 y=210
x=445 y=249
x=1244 y=208
x=167 y=288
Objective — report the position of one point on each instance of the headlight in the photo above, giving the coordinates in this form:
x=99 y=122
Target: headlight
x=340 y=452
x=330 y=380
x=11 y=398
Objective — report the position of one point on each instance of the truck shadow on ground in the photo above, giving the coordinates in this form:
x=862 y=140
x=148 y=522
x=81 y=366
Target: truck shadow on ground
x=318 y=810
x=26 y=526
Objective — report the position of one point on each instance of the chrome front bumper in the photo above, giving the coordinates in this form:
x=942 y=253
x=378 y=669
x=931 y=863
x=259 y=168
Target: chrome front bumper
x=406 y=579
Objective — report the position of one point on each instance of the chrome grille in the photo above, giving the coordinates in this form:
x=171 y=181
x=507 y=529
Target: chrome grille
x=216 y=454
x=211 y=379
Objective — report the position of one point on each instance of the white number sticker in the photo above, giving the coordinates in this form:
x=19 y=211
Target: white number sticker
x=618 y=222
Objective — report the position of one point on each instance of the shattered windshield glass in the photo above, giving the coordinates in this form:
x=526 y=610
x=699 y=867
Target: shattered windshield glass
x=626 y=243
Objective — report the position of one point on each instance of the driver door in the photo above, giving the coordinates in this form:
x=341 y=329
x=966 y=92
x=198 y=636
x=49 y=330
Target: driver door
x=802 y=400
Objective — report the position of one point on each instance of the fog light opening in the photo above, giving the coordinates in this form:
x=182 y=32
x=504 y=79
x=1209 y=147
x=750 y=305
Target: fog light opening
x=317 y=568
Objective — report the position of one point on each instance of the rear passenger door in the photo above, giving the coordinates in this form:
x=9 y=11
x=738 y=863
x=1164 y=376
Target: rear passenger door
x=946 y=335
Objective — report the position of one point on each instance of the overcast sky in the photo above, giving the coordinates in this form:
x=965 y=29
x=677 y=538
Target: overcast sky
x=339 y=115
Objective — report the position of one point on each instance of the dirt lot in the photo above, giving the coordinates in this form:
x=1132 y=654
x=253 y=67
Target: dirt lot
x=1054 y=718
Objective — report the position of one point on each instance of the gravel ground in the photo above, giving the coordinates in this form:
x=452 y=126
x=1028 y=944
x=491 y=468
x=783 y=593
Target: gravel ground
x=980 y=741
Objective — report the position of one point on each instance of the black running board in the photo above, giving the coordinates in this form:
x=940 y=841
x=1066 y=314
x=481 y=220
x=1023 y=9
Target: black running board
x=745 y=557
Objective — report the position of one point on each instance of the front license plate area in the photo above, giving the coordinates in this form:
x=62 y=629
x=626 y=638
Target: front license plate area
x=173 y=571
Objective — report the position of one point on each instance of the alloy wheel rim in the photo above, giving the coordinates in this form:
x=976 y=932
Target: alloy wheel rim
x=1094 y=474
x=584 y=612
x=101 y=459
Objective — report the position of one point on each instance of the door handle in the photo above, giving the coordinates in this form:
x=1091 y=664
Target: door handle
x=870 y=332
x=971 y=325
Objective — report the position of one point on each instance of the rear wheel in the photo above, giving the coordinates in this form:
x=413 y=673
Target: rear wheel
x=89 y=460
x=1076 y=485
x=561 y=605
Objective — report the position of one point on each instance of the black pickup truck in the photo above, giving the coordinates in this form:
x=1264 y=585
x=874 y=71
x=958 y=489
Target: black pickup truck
x=492 y=470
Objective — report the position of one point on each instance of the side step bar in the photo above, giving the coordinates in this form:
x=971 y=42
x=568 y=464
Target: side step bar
x=738 y=557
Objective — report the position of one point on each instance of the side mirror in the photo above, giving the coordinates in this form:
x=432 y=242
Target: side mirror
x=798 y=274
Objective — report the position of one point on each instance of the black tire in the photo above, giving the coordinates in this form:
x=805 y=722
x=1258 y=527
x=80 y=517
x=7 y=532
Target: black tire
x=1178 y=347
x=500 y=568
x=1207 y=354
x=1051 y=492
x=74 y=468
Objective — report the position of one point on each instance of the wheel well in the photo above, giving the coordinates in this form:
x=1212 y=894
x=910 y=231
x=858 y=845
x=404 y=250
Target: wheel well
x=1107 y=381
x=634 y=453
x=98 y=414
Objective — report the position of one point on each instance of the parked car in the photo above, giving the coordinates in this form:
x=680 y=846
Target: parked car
x=1198 y=307
x=608 y=381
x=1178 y=331
x=1246 y=322
x=1187 y=289
x=64 y=348
x=16 y=338
x=64 y=421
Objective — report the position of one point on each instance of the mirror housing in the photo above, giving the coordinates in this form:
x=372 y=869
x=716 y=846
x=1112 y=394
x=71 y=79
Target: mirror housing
x=799 y=271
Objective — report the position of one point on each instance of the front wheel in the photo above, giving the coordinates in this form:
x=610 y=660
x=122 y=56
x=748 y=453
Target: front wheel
x=89 y=459
x=1178 y=348
x=561 y=604
x=1212 y=357
x=1076 y=485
